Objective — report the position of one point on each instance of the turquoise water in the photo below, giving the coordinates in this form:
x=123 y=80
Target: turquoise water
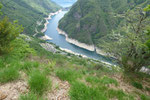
x=60 y=41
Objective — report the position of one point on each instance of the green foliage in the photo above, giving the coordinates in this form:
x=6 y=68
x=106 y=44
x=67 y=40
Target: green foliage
x=144 y=97
x=39 y=82
x=129 y=47
x=21 y=48
x=1 y=8
x=68 y=74
x=8 y=74
x=147 y=8
x=137 y=85
x=9 y=31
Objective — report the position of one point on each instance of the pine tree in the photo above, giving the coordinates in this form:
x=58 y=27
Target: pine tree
x=8 y=32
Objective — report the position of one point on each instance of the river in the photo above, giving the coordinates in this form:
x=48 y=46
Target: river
x=60 y=40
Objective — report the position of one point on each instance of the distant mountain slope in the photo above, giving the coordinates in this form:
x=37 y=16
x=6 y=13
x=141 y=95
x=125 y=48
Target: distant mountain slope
x=90 y=20
x=28 y=12
x=64 y=3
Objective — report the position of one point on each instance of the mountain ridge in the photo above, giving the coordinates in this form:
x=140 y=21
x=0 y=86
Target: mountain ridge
x=90 y=20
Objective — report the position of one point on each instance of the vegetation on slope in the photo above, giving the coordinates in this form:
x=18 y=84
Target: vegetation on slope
x=87 y=79
x=88 y=21
x=28 y=12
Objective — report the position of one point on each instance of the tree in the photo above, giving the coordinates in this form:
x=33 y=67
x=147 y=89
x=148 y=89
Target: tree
x=0 y=9
x=8 y=32
x=131 y=49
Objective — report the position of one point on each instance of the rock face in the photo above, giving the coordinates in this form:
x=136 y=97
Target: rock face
x=12 y=91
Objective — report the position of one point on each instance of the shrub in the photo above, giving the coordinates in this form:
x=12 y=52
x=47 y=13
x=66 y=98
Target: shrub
x=38 y=82
x=8 y=74
x=137 y=85
x=9 y=31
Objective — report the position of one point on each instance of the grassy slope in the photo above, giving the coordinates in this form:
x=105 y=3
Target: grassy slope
x=28 y=12
x=87 y=79
x=90 y=20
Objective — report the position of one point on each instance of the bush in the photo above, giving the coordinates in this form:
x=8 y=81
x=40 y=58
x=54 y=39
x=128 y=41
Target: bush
x=38 y=82
x=9 y=31
x=8 y=74
x=137 y=85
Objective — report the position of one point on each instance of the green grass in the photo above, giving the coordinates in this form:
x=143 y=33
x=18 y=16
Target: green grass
x=29 y=96
x=28 y=66
x=39 y=82
x=92 y=79
x=2 y=65
x=68 y=74
x=119 y=94
x=9 y=74
x=80 y=91
x=107 y=80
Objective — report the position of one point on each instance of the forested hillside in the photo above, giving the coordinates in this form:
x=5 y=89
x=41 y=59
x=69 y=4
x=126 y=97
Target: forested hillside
x=28 y=12
x=89 y=21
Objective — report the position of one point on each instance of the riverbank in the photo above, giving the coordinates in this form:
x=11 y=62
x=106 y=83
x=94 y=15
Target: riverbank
x=81 y=45
x=75 y=42
x=48 y=18
x=45 y=37
x=69 y=51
